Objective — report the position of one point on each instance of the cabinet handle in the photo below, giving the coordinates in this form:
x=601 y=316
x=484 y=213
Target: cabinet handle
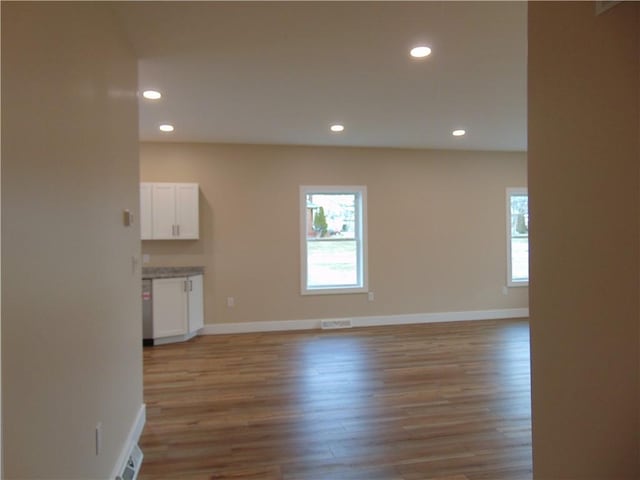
x=191 y=285
x=173 y=230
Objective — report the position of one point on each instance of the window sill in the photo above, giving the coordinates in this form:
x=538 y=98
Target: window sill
x=334 y=291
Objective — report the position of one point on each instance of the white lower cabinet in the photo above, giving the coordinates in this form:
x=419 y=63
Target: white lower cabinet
x=178 y=311
x=196 y=303
x=170 y=307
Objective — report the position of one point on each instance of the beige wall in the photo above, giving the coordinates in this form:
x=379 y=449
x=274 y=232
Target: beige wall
x=71 y=328
x=437 y=233
x=584 y=202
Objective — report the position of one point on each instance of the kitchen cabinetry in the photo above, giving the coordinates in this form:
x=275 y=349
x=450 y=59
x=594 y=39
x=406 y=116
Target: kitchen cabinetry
x=169 y=211
x=178 y=311
x=195 y=303
x=146 y=232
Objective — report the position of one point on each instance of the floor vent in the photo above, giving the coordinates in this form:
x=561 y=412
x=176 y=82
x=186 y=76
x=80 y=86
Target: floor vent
x=132 y=467
x=333 y=324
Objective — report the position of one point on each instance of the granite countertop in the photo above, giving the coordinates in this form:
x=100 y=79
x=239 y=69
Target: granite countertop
x=169 y=272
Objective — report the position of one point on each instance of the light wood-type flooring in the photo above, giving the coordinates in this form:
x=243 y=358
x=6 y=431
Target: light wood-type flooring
x=436 y=401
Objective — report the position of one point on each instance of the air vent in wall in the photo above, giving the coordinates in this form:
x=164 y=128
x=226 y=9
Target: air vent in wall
x=337 y=323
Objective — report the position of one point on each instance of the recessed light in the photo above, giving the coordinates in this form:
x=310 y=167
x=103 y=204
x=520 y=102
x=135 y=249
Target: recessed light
x=458 y=133
x=336 y=128
x=165 y=127
x=420 y=51
x=151 y=94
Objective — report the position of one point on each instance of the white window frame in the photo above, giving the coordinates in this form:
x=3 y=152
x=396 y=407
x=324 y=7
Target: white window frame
x=513 y=191
x=360 y=237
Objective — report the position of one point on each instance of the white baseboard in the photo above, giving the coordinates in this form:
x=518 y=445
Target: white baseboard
x=132 y=440
x=286 y=325
x=175 y=338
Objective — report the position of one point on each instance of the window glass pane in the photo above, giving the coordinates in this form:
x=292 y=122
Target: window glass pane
x=519 y=259
x=332 y=263
x=519 y=237
x=519 y=215
x=332 y=237
x=331 y=215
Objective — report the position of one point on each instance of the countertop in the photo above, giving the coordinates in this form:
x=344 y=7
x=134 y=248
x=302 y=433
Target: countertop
x=170 y=272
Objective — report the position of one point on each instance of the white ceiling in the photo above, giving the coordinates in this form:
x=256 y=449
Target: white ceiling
x=282 y=72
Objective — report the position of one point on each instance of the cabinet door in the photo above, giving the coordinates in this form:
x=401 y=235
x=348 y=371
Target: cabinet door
x=146 y=232
x=164 y=211
x=187 y=210
x=170 y=307
x=196 y=303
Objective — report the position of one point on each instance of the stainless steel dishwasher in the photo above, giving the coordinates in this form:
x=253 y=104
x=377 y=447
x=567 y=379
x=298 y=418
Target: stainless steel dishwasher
x=147 y=312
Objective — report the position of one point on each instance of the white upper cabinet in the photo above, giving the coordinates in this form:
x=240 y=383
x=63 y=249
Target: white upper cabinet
x=164 y=211
x=145 y=211
x=173 y=210
x=187 y=210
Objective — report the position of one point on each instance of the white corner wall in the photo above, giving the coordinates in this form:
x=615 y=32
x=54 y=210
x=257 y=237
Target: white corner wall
x=71 y=319
x=584 y=198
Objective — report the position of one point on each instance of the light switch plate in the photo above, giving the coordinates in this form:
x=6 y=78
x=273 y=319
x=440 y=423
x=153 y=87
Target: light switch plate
x=127 y=218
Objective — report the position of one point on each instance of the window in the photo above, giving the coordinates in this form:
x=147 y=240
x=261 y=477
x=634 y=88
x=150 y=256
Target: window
x=517 y=237
x=333 y=239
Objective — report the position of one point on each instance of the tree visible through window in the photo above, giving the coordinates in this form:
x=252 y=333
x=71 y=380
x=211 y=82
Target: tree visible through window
x=517 y=236
x=333 y=247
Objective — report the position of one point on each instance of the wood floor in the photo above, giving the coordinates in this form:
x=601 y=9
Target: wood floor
x=436 y=401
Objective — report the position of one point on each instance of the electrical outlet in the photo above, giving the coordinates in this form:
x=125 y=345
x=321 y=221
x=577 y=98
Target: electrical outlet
x=371 y=296
x=231 y=302
x=505 y=290
x=146 y=258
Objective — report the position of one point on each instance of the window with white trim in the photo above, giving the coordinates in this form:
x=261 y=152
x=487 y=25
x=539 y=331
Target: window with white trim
x=333 y=221
x=517 y=237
